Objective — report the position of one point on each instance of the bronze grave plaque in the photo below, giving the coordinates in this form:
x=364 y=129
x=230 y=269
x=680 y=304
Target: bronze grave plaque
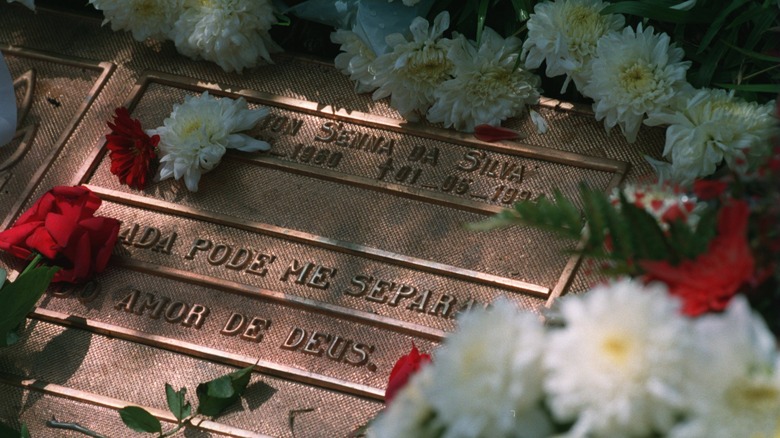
x=320 y=261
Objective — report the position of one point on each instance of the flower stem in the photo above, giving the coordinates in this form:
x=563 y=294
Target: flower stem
x=54 y=424
x=33 y=263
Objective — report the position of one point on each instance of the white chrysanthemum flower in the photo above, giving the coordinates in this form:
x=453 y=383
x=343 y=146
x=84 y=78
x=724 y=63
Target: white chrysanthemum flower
x=634 y=73
x=29 y=3
x=410 y=414
x=616 y=367
x=564 y=33
x=411 y=71
x=489 y=374
x=486 y=87
x=199 y=131
x=355 y=59
x=231 y=33
x=143 y=18
x=735 y=391
x=713 y=126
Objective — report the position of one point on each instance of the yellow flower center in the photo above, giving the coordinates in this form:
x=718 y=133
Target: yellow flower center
x=755 y=397
x=636 y=77
x=585 y=25
x=617 y=348
x=190 y=127
x=146 y=8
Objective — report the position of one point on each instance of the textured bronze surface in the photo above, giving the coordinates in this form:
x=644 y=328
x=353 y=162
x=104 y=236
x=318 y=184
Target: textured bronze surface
x=322 y=260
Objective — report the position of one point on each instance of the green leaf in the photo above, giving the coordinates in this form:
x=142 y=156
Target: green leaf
x=649 y=239
x=646 y=9
x=752 y=54
x=19 y=297
x=523 y=9
x=595 y=217
x=177 y=403
x=481 y=16
x=681 y=236
x=705 y=231
x=9 y=432
x=216 y=395
x=619 y=231
x=714 y=28
x=140 y=420
x=759 y=88
x=24 y=433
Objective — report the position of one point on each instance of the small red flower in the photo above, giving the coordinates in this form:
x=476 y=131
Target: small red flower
x=131 y=149
x=709 y=189
x=62 y=227
x=708 y=282
x=495 y=133
x=403 y=369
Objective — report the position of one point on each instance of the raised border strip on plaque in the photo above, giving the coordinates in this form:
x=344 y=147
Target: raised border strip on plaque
x=571 y=159
x=105 y=70
x=210 y=354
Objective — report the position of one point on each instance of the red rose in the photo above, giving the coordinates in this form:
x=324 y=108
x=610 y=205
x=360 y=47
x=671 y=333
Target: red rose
x=403 y=369
x=132 y=151
x=708 y=282
x=62 y=227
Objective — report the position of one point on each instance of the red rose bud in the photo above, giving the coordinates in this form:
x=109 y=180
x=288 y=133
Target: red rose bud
x=403 y=369
x=495 y=133
x=62 y=227
x=708 y=189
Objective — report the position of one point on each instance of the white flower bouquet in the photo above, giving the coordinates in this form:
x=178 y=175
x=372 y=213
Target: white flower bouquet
x=621 y=361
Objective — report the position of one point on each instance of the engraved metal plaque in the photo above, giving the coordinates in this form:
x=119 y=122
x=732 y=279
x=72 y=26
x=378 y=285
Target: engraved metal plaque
x=321 y=261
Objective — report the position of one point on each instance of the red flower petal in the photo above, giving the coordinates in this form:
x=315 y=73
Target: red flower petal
x=495 y=133
x=403 y=370
x=708 y=282
x=131 y=150
x=708 y=189
x=63 y=228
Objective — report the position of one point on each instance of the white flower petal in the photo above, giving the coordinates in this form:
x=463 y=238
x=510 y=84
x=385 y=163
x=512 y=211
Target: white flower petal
x=231 y=33
x=199 y=131
x=634 y=73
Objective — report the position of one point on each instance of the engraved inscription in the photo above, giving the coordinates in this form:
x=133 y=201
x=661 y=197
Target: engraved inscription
x=309 y=274
x=336 y=133
x=84 y=293
x=332 y=347
x=249 y=260
x=147 y=237
x=159 y=307
x=397 y=294
x=247 y=329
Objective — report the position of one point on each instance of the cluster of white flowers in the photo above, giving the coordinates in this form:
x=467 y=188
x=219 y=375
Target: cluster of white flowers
x=454 y=81
x=636 y=76
x=625 y=362
x=710 y=127
x=198 y=133
x=231 y=33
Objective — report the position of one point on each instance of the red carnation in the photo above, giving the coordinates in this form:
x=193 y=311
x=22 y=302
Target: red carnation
x=62 y=227
x=131 y=149
x=403 y=369
x=708 y=282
